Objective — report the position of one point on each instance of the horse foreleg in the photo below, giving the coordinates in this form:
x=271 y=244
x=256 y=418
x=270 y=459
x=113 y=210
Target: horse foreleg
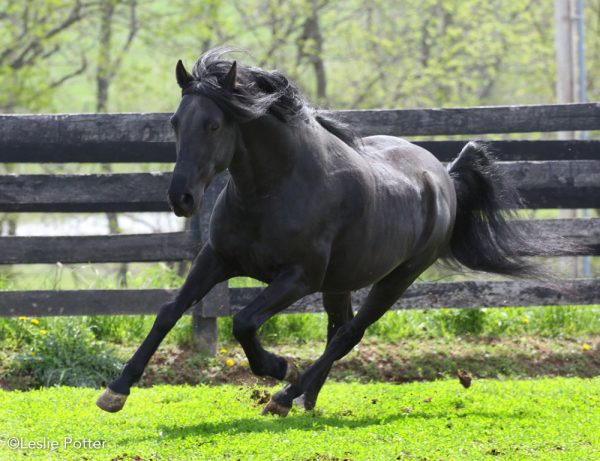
x=208 y=270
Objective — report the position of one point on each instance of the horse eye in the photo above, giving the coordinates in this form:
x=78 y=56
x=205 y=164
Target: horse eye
x=214 y=126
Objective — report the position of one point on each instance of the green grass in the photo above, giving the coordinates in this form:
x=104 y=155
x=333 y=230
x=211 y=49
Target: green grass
x=530 y=419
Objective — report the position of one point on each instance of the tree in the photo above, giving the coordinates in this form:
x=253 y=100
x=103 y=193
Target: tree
x=107 y=67
x=310 y=48
x=33 y=34
x=109 y=62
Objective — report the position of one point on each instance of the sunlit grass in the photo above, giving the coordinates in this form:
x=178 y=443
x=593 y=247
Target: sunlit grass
x=531 y=419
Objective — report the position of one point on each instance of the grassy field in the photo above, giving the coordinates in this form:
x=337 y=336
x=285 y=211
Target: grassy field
x=528 y=419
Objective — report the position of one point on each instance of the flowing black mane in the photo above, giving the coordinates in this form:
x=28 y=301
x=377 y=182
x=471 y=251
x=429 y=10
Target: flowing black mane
x=257 y=92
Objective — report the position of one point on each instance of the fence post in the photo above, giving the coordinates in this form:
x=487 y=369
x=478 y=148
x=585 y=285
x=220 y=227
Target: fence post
x=216 y=302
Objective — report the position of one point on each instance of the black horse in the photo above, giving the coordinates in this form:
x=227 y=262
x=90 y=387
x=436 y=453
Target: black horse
x=312 y=208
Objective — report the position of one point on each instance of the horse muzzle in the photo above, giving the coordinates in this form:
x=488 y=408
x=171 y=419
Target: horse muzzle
x=185 y=203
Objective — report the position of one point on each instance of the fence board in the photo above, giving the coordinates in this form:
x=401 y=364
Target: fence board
x=84 y=193
x=564 y=184
x=521 y=150
x=84 y=128
x=458 y=294
x=561 y=184
x=178 y=246
x=82 y=302
x=89 y=193
x=164 y=152
x=87 y=152
x=474 y=120
x=171 y=246
x=419 y=296
x=154 y=127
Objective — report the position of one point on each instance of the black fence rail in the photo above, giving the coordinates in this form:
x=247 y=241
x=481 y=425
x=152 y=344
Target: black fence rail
x=549 y=174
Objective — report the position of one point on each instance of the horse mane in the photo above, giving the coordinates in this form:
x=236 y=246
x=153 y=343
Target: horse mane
x=258 y=92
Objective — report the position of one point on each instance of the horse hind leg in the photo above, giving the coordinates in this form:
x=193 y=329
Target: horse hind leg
x=339 y=312
x=379 y=300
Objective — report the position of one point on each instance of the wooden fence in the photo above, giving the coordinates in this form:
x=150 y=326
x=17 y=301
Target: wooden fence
x=549 y=174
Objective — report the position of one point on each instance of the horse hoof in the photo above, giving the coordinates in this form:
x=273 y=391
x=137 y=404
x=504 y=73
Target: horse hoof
x=273 y=408
x=292 y=373
x=111 y=401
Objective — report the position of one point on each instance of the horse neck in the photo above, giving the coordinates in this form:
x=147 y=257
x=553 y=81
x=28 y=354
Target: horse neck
x=267 y=152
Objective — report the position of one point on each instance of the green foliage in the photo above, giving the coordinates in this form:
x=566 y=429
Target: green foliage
x=374 y=53
x=439 y=323
x=67 y=354
x=157 y=276
x=35 y=36
x=298 y=328
x=117 y=328
x=290 y=327
x=527 y=419
x=462 y=321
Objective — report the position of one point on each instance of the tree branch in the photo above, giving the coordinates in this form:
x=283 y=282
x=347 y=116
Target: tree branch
x=82 y=68
x=33 y=50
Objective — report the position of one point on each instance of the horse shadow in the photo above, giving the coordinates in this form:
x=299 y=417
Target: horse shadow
x=308 y=421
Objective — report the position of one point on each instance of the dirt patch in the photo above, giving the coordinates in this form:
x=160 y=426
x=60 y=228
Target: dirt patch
x=260 y=397
x=405 y=361
x=422 y=359
x=464 y=378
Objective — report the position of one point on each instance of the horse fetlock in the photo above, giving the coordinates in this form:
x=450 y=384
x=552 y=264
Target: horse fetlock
x=292 y=372
x=286 y=395
x=111 y=401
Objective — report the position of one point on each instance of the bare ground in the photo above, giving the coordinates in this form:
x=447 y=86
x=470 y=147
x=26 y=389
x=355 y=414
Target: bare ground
x=404 y=361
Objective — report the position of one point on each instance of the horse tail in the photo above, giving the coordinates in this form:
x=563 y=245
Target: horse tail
x=484 y=237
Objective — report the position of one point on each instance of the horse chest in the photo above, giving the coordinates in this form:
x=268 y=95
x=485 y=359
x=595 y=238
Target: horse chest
x=260 y=243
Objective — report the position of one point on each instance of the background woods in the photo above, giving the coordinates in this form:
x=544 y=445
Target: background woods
x=117 y=55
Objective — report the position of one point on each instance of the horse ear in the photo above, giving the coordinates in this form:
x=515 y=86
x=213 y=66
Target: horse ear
x=230 y=80
x=182 y=75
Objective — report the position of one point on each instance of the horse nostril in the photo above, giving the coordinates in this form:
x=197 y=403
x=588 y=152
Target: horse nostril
x=187 y=200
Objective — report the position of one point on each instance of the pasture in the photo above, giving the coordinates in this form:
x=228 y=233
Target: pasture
x=525 y=419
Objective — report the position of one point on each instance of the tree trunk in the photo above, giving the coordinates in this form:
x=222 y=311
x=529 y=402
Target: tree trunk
x=103 y=79
x=103 y=73
x=310 y=47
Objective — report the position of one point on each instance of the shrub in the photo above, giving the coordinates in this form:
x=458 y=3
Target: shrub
x=68 y=355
